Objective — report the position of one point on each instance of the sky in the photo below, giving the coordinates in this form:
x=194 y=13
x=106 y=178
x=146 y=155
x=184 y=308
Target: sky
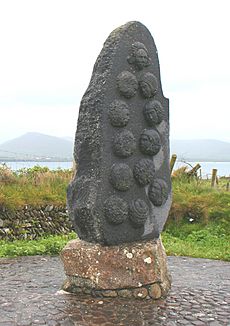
x=48 y=49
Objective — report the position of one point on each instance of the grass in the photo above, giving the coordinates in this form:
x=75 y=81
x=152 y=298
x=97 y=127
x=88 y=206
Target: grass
x=195 y=200
x=199 y=219
x=50 y=245
x=198 y=224
x=196 y=240
x=211 y=242
x=35 y=186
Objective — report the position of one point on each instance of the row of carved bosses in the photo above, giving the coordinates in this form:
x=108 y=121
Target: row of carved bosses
x=127 y=82
x=117 y=210
x=124 y=143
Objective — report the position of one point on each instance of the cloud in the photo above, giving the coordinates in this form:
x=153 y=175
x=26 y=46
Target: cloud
x=48 y=49
x=51 y=120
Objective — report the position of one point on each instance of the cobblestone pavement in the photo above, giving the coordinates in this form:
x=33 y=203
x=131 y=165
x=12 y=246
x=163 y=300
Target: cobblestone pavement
x=30 y=295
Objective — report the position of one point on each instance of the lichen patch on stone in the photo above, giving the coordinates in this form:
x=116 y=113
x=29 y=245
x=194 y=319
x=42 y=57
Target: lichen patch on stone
x=148 y=260
x=129 y=255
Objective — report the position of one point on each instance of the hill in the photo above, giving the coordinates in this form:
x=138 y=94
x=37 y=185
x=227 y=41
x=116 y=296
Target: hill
x=202 y=150
x=36 y=146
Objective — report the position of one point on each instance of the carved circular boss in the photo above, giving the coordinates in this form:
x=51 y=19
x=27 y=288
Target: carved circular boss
x=116 y=211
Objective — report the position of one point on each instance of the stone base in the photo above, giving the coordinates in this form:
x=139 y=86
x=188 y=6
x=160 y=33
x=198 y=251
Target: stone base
x=137 y=270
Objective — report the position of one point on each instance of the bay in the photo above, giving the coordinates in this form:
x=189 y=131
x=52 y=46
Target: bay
x=16 y=165
x=223 y=168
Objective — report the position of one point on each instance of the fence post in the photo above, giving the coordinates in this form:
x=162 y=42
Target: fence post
x=194 y=170
x=227 y=186
x=172 y=162
x=214 y=174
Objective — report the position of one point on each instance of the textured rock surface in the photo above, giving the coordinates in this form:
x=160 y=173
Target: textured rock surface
x=121 y=146
x=141 y=267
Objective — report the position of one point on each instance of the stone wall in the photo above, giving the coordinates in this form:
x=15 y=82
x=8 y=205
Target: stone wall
x=32 y=223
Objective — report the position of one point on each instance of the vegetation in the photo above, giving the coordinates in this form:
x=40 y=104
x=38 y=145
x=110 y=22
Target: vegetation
x=196 y=240
x=199 y=219
x=51 y=245
x=192 y=240
x=198 y=225
x=34 y=186
x=194 y=200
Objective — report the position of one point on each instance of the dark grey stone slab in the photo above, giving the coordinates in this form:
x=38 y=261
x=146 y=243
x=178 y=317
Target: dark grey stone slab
x=122 y=190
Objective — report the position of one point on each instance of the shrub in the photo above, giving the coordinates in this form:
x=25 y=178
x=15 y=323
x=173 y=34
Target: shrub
x=34 y=186
x=6 y=175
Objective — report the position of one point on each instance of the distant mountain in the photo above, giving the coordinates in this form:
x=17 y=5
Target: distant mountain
x=36 y=146
x=203 y=150
x=69 y=138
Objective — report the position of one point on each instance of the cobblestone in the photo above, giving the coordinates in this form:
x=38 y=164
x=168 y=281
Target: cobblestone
x=30 y=295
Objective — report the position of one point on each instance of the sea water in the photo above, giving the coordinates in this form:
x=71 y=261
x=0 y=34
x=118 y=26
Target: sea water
x=223 y=168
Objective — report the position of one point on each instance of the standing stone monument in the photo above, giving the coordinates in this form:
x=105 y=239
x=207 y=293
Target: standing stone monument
x=120 y=196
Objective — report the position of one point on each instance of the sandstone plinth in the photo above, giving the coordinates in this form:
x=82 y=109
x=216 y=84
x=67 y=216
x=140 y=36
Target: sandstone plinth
x=137 y=270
